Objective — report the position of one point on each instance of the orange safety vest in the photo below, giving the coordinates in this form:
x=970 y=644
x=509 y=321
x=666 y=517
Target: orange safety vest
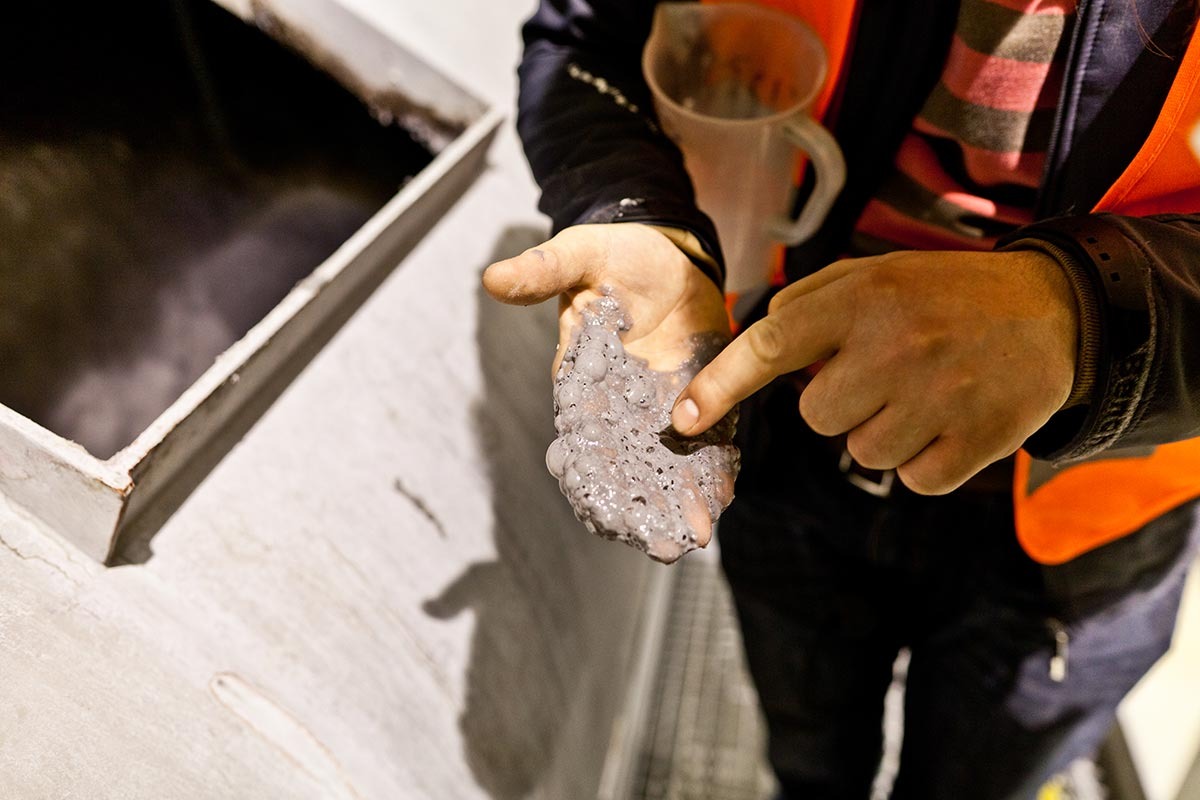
x=1062 y=512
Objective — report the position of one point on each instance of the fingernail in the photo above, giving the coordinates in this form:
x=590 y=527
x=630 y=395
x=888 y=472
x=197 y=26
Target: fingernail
x=685 y=415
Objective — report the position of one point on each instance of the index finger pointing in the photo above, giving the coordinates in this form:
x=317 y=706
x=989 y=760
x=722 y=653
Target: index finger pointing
x=786 y=340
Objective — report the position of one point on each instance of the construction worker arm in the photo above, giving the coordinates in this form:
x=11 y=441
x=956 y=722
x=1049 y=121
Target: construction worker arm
x=589 y=130
x=932 y=363
x=1142 y=277
x=587 y=122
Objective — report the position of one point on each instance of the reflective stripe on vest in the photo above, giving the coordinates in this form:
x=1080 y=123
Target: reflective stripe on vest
x=1062 y=513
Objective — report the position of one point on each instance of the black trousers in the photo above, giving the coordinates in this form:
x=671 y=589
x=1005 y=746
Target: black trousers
x=830 y=582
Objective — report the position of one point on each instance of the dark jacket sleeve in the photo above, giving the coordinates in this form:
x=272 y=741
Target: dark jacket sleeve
x=1145 y=274
x=587 y=122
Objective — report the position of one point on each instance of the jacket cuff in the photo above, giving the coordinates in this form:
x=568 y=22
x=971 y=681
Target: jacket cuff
x=1087 y=303
x=687 y=228
x=1102 y=264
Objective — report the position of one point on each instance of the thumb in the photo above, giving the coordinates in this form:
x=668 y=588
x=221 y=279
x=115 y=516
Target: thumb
x=550 y=269
x=469 y=590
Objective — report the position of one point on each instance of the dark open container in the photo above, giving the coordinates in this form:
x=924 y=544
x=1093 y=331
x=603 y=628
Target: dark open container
x=193 y=198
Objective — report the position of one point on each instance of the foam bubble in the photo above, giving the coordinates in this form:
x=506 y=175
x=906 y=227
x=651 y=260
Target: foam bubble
x=626 y=473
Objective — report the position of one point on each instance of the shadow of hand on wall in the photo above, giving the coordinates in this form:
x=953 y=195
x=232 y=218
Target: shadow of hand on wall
x=527 y=647
x=513 y=694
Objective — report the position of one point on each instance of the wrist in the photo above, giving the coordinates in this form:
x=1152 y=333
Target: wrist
x=1088 y=316
x=689 y=244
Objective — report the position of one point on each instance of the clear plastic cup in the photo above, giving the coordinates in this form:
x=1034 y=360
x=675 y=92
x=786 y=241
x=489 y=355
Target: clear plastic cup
x=733 y=86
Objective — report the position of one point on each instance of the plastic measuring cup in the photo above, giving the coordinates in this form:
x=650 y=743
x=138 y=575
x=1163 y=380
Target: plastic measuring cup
x=733 y=85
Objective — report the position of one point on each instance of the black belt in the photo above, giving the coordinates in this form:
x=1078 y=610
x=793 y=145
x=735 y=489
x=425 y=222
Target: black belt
x=993 y=479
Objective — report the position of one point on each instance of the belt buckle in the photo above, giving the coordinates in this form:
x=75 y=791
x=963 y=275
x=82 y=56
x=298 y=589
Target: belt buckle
x=858 y=476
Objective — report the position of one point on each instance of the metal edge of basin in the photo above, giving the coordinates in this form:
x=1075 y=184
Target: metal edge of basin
x=57 y=482
x=92 y=503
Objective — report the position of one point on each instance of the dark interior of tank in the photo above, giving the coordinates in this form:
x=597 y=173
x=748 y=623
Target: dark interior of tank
x=167 y=174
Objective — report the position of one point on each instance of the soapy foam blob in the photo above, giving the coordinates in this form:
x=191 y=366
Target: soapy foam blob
x=627 y=474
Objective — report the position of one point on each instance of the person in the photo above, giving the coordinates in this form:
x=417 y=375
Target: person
x=990 y=344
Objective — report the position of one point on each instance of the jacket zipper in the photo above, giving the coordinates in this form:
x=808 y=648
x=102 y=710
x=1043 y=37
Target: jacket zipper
x=1062 y=643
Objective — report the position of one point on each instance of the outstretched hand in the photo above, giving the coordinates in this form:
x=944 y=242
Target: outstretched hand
x=668 y=298
x=936 y=363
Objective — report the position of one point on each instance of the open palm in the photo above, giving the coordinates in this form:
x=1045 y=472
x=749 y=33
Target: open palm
x=667 y=297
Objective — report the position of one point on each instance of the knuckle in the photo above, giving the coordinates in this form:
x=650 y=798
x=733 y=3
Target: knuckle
x=884 y=289
x=814 y=411
x=777 y=302
x=869 y=449
x=919 y=480
x=851 y=266
x=881 y=279
x=924 y=342
x=766 y=340
x=929 y=476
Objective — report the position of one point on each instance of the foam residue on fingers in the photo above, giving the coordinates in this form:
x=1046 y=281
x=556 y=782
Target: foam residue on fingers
x=626 y=473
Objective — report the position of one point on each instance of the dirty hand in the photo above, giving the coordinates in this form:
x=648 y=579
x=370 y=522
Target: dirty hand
x=668 y=298
x=937 y=363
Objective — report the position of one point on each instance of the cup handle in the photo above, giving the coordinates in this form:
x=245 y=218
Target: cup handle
x=830 y=169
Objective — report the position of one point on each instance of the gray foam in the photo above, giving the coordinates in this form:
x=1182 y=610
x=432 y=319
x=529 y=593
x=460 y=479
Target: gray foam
x=627 y=474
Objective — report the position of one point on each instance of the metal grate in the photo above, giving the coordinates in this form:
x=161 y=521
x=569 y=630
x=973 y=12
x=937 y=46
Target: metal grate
x=705 y=738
